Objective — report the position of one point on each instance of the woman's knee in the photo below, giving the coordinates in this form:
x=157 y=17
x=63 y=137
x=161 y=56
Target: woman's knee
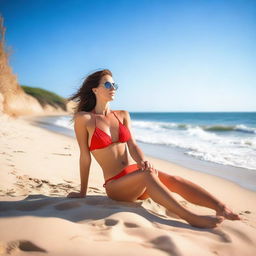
x=150 y=174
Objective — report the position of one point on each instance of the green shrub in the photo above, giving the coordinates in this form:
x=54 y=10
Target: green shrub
x=45 y=97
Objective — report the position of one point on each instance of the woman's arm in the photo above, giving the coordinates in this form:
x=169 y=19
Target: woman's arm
x=135 y=151
x=85 y=163
x=85 y=156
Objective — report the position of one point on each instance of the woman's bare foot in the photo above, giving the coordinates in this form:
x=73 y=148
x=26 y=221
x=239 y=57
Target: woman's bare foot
x=227 y=213
x=204 y=221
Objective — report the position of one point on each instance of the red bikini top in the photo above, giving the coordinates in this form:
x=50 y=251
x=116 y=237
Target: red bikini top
x=100 y=139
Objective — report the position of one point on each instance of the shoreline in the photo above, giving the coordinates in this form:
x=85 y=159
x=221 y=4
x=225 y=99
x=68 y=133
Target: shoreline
x=40 y=167
x=162 y=164
x=246 y=178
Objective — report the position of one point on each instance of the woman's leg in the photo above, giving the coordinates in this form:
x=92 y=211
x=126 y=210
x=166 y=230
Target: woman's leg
x=130 y=186
x=196 y=194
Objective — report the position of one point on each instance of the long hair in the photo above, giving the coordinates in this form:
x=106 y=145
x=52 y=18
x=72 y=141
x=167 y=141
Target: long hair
x=85 y=96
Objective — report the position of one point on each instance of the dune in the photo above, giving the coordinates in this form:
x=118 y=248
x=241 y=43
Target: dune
x=13 y=99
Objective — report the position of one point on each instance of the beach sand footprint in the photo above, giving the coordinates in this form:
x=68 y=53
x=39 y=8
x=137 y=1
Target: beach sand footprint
x=130 y=225
x=68 y=181
x=27 y=185
x=14 y=247
x=62 y=154
x=134 y=227
x=111 y=222
x=165 y=243
x=18 y=151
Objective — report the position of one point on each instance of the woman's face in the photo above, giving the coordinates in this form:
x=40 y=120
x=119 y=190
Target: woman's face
x=103 y=93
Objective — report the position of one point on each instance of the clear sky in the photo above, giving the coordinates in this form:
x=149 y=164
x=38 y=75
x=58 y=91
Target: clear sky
x=165 y=55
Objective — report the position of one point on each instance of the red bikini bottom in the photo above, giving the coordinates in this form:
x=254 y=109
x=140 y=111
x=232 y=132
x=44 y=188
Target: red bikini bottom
x=126 y=170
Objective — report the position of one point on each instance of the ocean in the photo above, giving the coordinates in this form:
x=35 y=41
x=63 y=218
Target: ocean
x=226 y=139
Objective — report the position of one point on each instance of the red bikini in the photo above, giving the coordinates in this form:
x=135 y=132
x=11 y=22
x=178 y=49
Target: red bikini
x=100 y=139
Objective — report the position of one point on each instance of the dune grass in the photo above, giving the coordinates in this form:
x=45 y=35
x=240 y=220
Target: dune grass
x=45 y=97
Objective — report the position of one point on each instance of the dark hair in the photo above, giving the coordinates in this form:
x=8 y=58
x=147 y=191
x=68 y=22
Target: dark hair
x=85 y=96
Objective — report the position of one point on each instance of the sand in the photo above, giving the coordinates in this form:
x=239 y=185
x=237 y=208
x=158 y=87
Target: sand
x=38 y=168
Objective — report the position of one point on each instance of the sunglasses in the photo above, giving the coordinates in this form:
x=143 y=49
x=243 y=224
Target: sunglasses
x=108 y=85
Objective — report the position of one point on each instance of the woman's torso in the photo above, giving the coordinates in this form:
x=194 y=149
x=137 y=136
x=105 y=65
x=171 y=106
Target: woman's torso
x=114 y=157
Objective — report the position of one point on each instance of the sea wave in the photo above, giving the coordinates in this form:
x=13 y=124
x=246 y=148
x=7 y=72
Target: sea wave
x=235 y=150
x=162 y=126
x=154 y=125
x=227 y=128
x=211 y=143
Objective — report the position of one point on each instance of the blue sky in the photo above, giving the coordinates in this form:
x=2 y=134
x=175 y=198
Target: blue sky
x=165 y=55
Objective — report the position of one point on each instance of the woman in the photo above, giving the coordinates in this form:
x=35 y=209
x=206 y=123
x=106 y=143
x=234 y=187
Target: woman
x=107 y=135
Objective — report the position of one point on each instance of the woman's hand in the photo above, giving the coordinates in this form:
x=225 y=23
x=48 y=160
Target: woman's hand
x=75 y=195
x=147 y=166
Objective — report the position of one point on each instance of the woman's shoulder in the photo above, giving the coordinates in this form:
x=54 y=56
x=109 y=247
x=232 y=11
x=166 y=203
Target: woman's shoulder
x=86 y=116
x=83 y=113
x=121 y=112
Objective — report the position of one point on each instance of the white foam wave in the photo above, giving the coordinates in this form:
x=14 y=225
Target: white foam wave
x=228 y=150
x=197 y=142
x=244 y=128
x=64 y=122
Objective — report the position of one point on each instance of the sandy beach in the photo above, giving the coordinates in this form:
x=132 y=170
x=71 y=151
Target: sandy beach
x=38 y=168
